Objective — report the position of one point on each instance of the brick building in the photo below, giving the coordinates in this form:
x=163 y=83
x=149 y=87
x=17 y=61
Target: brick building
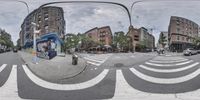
x=182 y=33
x=141 y=36
x=50 y=20
x=102 y=35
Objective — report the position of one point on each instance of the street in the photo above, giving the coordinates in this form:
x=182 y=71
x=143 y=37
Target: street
x=122 y=76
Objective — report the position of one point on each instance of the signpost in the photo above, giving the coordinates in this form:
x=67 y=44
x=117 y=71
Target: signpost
x=34 y=52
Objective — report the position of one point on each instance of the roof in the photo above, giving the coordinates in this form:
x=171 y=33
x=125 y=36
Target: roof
x=50 y=35
x=91 y=30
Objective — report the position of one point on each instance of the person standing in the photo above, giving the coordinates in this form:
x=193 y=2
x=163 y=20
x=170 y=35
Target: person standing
x=53 y=45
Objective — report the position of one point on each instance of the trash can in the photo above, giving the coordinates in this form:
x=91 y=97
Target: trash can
x=74 y=59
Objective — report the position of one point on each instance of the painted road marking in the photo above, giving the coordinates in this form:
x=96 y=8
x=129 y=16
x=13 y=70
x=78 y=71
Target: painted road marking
x=93 y=63
x=168 y=70
x=169 y=58
x=9 y=90
x=156 y=61
x=99 y=61
x=3 y=67
x=124 y=91
x=183 y=63
x=165 y=81
x=55 y=86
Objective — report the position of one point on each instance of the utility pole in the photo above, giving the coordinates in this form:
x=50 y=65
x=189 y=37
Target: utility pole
x=35 y=58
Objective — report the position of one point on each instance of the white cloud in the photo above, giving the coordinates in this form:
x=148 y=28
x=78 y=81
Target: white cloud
x=13 y=13
x=83 y=17
x=149 y=14
x=157 y=14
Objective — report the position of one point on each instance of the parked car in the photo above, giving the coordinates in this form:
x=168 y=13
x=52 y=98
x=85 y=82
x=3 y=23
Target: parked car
x=198 y=51
x=15 y=50
x=1 y=50
x=190 y=51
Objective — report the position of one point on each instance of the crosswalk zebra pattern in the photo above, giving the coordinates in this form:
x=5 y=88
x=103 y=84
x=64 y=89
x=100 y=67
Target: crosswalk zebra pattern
x=9 y=89
x=97 y=59
x=123 y=90
x=167 y=65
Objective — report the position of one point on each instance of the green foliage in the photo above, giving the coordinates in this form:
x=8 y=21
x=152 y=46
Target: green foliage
x=5 y=39
x=121 y=40
x=87 y=42
x=142 y=44
x=71 y=41
x=79 y=41
x=196 y=41
x=162 y=40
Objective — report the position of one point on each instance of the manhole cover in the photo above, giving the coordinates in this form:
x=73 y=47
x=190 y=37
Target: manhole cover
x=118 y=65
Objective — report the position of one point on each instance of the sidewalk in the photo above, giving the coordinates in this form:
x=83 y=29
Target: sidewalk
x=174 y=54
x=56 y=69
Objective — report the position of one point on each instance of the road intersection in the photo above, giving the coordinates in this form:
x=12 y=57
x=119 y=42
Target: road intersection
x=143 y=77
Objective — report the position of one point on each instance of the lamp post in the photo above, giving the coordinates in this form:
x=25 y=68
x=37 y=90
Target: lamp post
x=35 y=59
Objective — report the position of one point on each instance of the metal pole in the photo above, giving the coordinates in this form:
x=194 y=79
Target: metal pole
x=35 y=59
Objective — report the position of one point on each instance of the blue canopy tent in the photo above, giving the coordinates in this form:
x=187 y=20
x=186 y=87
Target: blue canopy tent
x=53 y=37
x=50 y=36
x=45 y=38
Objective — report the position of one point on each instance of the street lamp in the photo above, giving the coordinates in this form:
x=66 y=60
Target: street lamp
x=35 y=59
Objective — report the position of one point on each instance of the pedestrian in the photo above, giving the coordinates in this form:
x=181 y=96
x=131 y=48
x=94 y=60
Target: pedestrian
x=53 y=45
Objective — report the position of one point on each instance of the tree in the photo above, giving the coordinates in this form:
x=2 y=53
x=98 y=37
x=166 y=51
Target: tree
x=142 y=45
x=196 y=42
x=2 y=42
x=71 y=41
x=162 y=40
x=87 y=42
x=121 y=40
x=5 y=38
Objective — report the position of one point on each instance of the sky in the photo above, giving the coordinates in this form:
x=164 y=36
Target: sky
x=80 y=18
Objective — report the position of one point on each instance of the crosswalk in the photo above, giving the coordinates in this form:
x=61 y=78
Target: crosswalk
x=9 y=90
x=97 y=59
x=167 y=64
x=123 y=90
x=55 y=86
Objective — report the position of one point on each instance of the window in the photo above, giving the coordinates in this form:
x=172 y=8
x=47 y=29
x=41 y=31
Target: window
x=178 y=37
x=46 y=27
x=46 y=18
x=183 y=38
x=178 y=30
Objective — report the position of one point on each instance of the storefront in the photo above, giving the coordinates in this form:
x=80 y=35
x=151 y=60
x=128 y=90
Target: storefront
x=49 y=45
x=180 y=46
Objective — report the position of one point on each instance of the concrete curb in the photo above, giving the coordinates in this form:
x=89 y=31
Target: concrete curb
x=58 y=81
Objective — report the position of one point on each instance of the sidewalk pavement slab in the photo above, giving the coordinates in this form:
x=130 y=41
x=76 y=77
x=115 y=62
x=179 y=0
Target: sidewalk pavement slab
x=56 y=69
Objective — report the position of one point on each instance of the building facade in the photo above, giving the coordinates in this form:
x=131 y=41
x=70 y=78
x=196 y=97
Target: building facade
x=49 y=20
x=181 y=33
x=102 y=35
x=140 y=37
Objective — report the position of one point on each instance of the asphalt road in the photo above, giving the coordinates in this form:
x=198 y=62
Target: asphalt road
x=147 y=73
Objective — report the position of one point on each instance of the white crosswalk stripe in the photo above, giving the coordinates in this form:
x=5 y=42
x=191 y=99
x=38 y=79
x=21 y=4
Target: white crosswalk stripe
x=55 y=86
x=3 y=67
x=183 y=63
x=161 y=62
x=166 y=81
x=169 y=70
x=9 y=90
x=155 y=61
x=95 y=59
x=124 y=91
